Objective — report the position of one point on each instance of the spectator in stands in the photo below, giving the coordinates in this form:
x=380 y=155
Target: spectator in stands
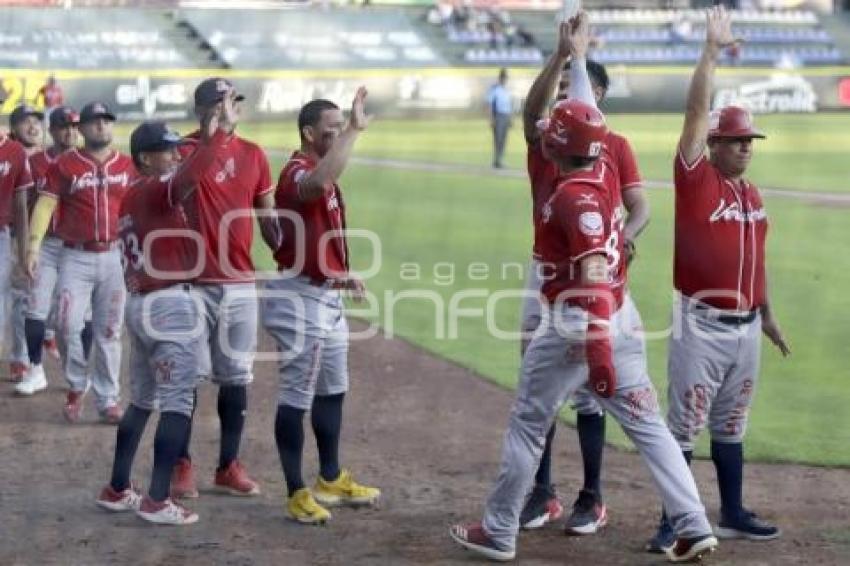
x=51 y=95
x=499 y=100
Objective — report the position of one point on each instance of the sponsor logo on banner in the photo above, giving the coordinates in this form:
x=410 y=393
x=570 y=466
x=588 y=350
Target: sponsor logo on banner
x=142 y=100
x=781 y=93
x=290 y=95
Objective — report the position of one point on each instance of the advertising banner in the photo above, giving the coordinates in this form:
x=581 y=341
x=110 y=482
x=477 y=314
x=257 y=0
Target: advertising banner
x=423 y=92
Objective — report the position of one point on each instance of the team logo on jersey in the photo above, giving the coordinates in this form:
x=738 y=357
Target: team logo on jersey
x=590 y=223
x=587 y=199
x=89 y=180
x=229 y=170
x=732 y=213
x=5 y=167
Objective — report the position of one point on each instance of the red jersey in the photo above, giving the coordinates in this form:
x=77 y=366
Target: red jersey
x=544 y=174
x=317 y=254
x=721 y=227
x=40 y=162
x=154 y=261
x=14 y=176
x=223 y=204
x=53 y=95
x=583 y=216
x=89 y=193
x=159 y=248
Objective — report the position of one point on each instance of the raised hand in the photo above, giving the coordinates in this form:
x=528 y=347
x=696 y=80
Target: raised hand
x=211 y=120
x=579 y=35
x=358 y=119
x=564 y=39
x=718 y=28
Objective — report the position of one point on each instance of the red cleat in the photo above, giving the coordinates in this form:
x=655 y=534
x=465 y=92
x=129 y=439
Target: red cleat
x=111 y=415
x=234 y=480
x=73 y=408
x=17 y=370
x=183 y=480
x=51 y=347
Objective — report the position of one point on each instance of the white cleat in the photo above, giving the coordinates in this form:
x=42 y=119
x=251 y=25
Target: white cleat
x=34 y=381
x=165 y=512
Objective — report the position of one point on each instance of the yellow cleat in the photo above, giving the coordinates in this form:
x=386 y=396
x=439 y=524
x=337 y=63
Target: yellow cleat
x=302 y=507
x=345 y=491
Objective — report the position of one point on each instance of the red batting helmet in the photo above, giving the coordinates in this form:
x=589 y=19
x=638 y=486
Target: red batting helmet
x=732 y=122
x=574 y=129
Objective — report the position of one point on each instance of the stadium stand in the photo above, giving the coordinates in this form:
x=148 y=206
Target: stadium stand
x=91 y=38
x=638 y=36
x=296 y=38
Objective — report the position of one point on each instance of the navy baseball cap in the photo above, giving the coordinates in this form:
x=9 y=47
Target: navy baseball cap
x=211 y=91
x=153 y=135
x=22 y=112
x=63 y=116
x=94 y=110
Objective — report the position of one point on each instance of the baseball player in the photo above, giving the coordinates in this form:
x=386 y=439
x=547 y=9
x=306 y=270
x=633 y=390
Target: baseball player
x=25 y=128
x=15 y=182
x=587 y=333
x=719 y=273
x=589 y=512
x=303 y=309
x=162 y=315
x=40 y=299
x=237 y=182
x=86 y=187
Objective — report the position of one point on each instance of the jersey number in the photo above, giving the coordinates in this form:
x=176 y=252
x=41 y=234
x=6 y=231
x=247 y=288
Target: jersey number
x=131 y=252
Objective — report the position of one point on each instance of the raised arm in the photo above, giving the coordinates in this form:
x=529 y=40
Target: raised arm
x=579 y=41
x=718 y=35
x=544 y=85
x=331 y=166
x=215 y=126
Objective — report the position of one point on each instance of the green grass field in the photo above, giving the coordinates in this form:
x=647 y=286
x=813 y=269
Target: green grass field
x=462 y=218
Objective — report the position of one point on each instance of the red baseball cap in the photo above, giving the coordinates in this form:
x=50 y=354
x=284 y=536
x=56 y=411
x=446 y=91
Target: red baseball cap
x=732 y=122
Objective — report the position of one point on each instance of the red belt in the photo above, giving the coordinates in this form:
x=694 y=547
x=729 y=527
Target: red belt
x=97 y=247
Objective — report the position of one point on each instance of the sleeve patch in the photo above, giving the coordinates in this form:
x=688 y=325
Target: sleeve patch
x=591 y=223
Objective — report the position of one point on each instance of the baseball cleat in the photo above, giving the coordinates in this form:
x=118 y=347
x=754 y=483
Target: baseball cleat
x=17 y=371
x=588 y=516
x=664 y=538
x=34 y=381
x=302 y=507
x=234 y=480
x=542 y=507
x=165 y=512
x=746 y=526
x=111 y=415
x=126 y=500
x=472 y=537
x=73 y=408
x=345 y=491
x=49 y=345
x=691 y=549
x=183 y=484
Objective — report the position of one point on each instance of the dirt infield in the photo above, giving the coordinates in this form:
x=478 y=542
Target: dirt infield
x=426 y=431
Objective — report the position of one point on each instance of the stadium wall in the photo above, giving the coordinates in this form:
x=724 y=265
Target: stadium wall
x=166 y=94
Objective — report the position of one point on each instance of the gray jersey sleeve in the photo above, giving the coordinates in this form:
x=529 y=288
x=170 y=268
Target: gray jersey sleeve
x=580 y=87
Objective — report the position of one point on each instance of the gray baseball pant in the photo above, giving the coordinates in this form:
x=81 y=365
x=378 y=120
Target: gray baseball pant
x=96 y=279
x=713 y=370
x=553 y=368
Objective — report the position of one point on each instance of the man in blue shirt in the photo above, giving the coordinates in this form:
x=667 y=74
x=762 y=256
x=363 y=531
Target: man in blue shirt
x=499 y=100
